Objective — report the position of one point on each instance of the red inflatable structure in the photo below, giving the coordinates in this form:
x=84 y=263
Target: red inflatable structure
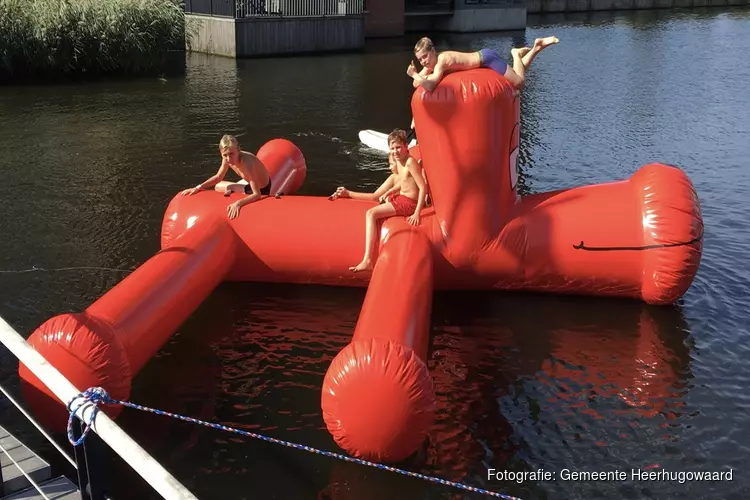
x=638 y=238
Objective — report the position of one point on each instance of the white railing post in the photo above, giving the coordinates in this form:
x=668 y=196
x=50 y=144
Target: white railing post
x=117 y=439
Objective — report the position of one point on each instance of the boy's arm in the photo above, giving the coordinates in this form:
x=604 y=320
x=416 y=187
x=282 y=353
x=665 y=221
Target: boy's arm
x=251 y=197
x=385 y=187
x=216 y=178
x=395 y=189
x=429 y=82
x=210 y=182
x=356 y=195
x=375 y=196
x=416 y=172
x=423 y=73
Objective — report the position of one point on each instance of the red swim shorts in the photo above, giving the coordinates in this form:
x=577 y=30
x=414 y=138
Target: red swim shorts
x=404 y=206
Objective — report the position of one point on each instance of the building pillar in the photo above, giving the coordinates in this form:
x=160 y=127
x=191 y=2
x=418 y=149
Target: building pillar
x=384 y=18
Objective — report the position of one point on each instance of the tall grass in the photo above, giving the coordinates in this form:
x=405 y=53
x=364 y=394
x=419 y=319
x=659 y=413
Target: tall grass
x=45 y=38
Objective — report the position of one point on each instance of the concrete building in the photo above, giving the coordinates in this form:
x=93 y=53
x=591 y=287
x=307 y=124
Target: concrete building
x=247 y=28
x=385 y=18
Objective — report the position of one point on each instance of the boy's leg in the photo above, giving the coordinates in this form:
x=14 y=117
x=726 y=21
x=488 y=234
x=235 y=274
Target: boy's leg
x=228 y=188
x=222 y=186
x=539 y=45
x=371 y=221
x=517 y=74
x=523 y=57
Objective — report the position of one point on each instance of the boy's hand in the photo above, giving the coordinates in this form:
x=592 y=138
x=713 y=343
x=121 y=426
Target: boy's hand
x=341 y=192
x=411 y=69
x=190 y=191
x=414 y=220
x=233 y=209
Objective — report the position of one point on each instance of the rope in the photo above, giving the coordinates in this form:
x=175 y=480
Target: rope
x=34 y=269
x=96 y=395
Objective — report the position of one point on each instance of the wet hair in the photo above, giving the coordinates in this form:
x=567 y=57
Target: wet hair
x=397 y=135
x=424 y=43
x=228 y=141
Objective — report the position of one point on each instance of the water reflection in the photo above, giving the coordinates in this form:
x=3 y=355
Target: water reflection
x=537 y=382
x=522 y=381
x=213 y=96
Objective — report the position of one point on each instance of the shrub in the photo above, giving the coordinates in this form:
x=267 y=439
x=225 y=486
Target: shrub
x=75 y=37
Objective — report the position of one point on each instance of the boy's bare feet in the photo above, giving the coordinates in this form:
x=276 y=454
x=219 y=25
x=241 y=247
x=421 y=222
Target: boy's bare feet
x=519 y=52
x=365 y=265
x=545 y=42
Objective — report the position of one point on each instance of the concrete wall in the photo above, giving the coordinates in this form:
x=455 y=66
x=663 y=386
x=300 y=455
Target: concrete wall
x=384 y=18
x=250 y=37
x=474 y=16
x=212 y=35
x=541 y=6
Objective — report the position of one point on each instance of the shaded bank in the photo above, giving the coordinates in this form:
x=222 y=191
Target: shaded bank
x=53 y=39
x=549 y=6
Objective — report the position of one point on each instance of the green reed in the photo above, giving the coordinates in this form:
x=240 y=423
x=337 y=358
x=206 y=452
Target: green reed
x=79 y=37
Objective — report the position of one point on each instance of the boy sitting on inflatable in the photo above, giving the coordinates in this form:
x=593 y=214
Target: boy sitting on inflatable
x=403 y=193
x=248 y=166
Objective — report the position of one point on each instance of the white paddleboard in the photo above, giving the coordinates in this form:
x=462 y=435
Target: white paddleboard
x=378 y=140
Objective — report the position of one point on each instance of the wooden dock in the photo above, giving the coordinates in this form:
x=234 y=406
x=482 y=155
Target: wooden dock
x=16 y=486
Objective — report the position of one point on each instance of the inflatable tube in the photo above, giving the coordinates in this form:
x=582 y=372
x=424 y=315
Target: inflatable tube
x=640 y=238
x=594 y=240
x=386 y=359
x=117 y=335
x=378 y=140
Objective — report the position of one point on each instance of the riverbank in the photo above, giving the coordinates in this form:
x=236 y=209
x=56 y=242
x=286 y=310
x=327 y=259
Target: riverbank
x=50 y=39
x=542 y=6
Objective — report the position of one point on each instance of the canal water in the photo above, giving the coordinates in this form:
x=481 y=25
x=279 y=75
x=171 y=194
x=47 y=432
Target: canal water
x=524 y=382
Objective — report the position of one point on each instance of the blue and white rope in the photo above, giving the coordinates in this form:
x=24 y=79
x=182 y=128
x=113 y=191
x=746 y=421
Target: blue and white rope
x=95 y=395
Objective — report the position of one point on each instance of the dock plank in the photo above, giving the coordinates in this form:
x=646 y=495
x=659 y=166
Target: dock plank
x=32 y=464
x=60 y=488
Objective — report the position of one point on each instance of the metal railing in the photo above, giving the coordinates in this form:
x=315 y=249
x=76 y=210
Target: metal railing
x=119 y=441
x=298 y=8
x=218 y=8
x=275 y=8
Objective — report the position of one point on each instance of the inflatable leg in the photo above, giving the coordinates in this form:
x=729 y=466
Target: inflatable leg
x=377 y=398
x=109 y=344
x=285 y=165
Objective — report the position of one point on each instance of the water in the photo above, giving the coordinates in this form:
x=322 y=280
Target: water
x=523 y=381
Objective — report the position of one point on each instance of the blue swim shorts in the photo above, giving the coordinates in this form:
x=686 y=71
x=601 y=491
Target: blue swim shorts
x=490 y=59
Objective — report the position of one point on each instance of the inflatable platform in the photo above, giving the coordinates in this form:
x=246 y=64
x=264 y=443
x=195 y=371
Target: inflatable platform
x=637 y=238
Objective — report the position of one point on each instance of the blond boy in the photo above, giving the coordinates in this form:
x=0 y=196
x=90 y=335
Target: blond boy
x=252 y=174
x=435 y=66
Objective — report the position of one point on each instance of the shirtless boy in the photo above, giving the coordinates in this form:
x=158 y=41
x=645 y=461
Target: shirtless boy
x=251 y=170
x=435 y=66
x=403 y=193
